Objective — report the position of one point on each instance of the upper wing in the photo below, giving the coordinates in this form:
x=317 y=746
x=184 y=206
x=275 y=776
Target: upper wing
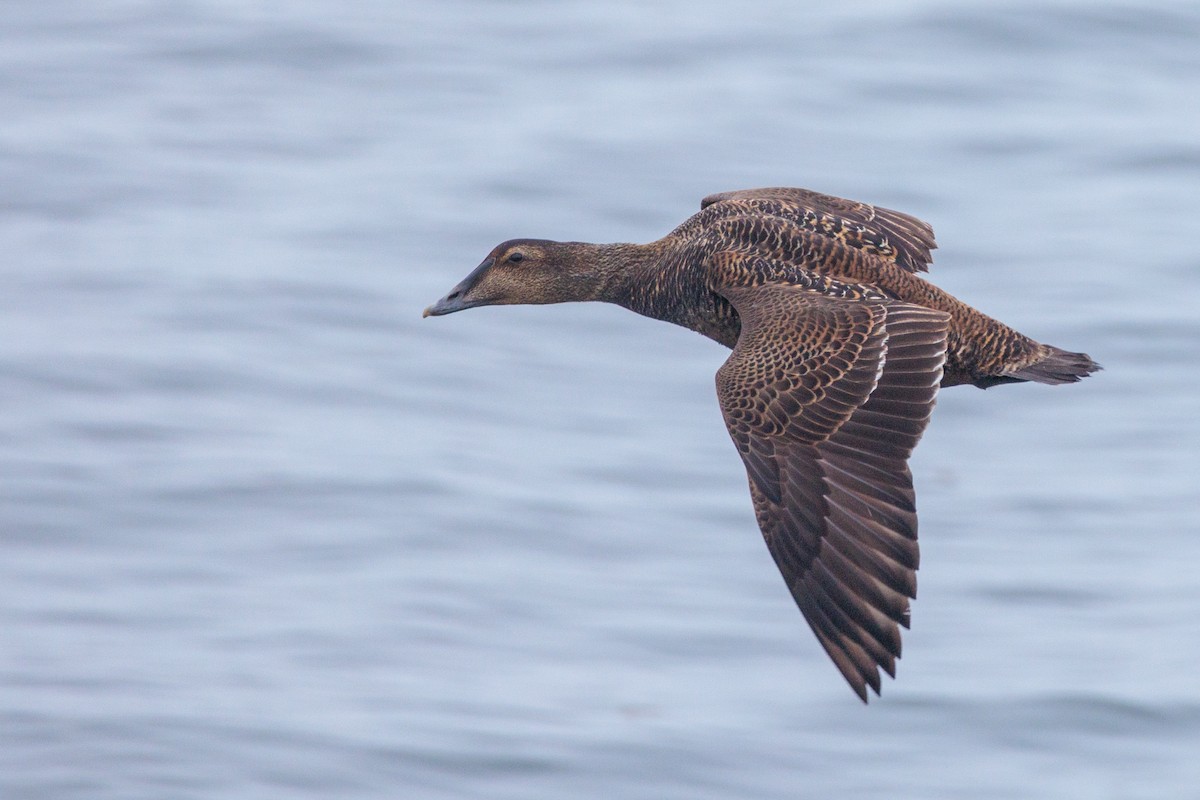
x=893 y=235
x=825 y=399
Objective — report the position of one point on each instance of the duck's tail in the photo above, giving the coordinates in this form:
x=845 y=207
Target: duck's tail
x=1051 y=365
x=1057 y=366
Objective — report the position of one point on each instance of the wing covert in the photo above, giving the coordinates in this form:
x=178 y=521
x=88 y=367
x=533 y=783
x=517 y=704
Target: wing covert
x=893 y=235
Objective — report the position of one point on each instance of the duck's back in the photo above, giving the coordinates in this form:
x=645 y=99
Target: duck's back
x=849 y=249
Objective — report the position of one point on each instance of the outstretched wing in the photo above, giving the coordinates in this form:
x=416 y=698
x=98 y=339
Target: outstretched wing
x=892 y=235
x=825 y=399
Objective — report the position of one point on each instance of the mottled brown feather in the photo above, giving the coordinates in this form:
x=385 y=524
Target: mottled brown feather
x=830 y=483
x=892 y=235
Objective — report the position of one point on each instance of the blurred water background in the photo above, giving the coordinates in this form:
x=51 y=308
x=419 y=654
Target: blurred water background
x=265 y=532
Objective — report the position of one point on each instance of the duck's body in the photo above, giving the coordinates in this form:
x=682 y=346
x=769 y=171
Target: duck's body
x=839 y=349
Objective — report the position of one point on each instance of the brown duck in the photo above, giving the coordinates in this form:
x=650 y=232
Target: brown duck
x=839 y=349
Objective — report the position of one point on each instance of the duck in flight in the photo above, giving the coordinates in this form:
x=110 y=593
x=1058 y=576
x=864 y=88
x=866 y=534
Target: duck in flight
x=839 y=349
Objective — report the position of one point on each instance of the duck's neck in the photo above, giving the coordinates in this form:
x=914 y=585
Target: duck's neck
x=621 y=271
x=648 y=280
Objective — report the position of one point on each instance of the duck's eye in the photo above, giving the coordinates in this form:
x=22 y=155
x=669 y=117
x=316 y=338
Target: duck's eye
x=515 y=257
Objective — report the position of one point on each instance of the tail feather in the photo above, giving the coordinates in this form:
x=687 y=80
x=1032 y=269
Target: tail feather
x=1056 y=366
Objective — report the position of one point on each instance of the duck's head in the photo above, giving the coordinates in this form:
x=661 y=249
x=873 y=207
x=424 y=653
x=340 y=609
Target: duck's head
x=522 y=271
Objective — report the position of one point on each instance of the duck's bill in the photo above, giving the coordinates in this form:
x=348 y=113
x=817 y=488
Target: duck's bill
x=458 y=298
x=447 y=305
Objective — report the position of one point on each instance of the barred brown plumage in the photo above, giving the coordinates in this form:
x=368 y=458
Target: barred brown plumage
x=839 y=349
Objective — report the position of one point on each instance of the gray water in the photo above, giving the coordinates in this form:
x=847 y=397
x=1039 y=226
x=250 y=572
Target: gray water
x=265 y=532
